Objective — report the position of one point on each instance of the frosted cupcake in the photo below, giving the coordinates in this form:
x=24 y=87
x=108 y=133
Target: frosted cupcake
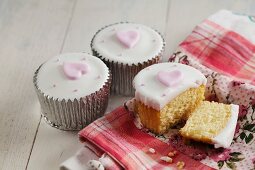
x=73 y=90
x=170 y=93
x=127 y=48
x=167 y=93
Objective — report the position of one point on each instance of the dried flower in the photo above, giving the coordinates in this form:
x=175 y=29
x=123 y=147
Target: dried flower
x=223 y=156
x=172 y=154
x=243 y=110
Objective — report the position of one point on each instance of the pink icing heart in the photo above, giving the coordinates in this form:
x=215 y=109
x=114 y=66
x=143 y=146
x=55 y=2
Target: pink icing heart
x=75 y=70
x=129 y=38
x=170 y=79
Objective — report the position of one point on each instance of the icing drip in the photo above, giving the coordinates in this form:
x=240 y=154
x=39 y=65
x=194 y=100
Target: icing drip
x=128 y=43
x=157 y=78
x=225 y=137
x=75 y=75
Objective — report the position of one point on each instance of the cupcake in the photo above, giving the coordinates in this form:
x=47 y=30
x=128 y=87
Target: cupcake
x=166 y=94
x=73 y=90
x=170 y=93
x=127 y=48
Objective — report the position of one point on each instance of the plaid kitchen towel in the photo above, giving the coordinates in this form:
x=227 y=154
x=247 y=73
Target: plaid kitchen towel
x=117 y=135
x=222 y=47
x=225 y=42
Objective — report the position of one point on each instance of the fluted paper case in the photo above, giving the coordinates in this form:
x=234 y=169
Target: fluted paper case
x=123 y=74
x=73 y=114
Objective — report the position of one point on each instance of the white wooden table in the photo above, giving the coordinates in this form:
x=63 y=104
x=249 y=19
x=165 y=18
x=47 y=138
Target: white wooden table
x=31 y=31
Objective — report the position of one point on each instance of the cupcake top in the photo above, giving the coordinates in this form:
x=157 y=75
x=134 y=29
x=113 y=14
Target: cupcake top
x=158 y=84
x=72 y=75
x=127 y=43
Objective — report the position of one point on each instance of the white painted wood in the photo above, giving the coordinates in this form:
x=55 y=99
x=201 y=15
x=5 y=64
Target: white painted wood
x=30 y=31
x=33 y=30
x=53 y=146
x=90 y=16
x=184 y=15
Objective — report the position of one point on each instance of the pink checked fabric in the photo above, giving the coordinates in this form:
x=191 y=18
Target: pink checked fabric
x=225 y=42
x=222 y=47
x=117 y=135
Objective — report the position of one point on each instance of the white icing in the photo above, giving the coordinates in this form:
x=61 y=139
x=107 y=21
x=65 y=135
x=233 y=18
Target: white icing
x=153 y=93
x=109 y=47
x=226 y=136
x=53 y=82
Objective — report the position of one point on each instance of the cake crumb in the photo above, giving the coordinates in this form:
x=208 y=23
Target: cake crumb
x=172 y=154
x=151 y=150
x=166 y=159
x=180 y=164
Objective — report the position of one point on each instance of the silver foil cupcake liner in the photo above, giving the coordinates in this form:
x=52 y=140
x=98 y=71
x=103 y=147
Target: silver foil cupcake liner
x=73 y=114
x=123 y=74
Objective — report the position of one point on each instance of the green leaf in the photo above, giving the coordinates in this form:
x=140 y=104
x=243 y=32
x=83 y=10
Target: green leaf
x=235 y=154
x=235 y=159
x=248 y=138
x=250 y=127
x=231 y=165
x=242 y=135
x=220 y=164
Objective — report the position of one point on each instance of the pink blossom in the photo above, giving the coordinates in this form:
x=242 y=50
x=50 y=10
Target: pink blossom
x=185 y=61
x=172 y=58
x=253 y=160
x=237 y=128
x=223 y=156
x=237 y=83
x=253 y=102
x=243 y=110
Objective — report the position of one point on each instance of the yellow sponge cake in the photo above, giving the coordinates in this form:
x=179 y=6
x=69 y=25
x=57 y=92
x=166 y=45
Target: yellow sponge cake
x=213 y=123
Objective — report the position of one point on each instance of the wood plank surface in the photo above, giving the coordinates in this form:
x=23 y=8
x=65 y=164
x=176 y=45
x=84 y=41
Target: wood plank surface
x=32 y=31
x=29 y=32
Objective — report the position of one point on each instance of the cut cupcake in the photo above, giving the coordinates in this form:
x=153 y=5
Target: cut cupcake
x=127 y=48
x=213 y=123
x=166 y=94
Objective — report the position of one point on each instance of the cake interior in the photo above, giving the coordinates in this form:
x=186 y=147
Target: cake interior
x=159 y=121
x=207 y=121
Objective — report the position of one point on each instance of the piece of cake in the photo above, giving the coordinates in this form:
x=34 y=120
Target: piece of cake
x=213 y=123
x=167 y=93
x=127 y=48
x=73 y=90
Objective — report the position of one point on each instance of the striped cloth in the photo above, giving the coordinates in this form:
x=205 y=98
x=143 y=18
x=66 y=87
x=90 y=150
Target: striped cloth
x=117 y=135
x=225 y=42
